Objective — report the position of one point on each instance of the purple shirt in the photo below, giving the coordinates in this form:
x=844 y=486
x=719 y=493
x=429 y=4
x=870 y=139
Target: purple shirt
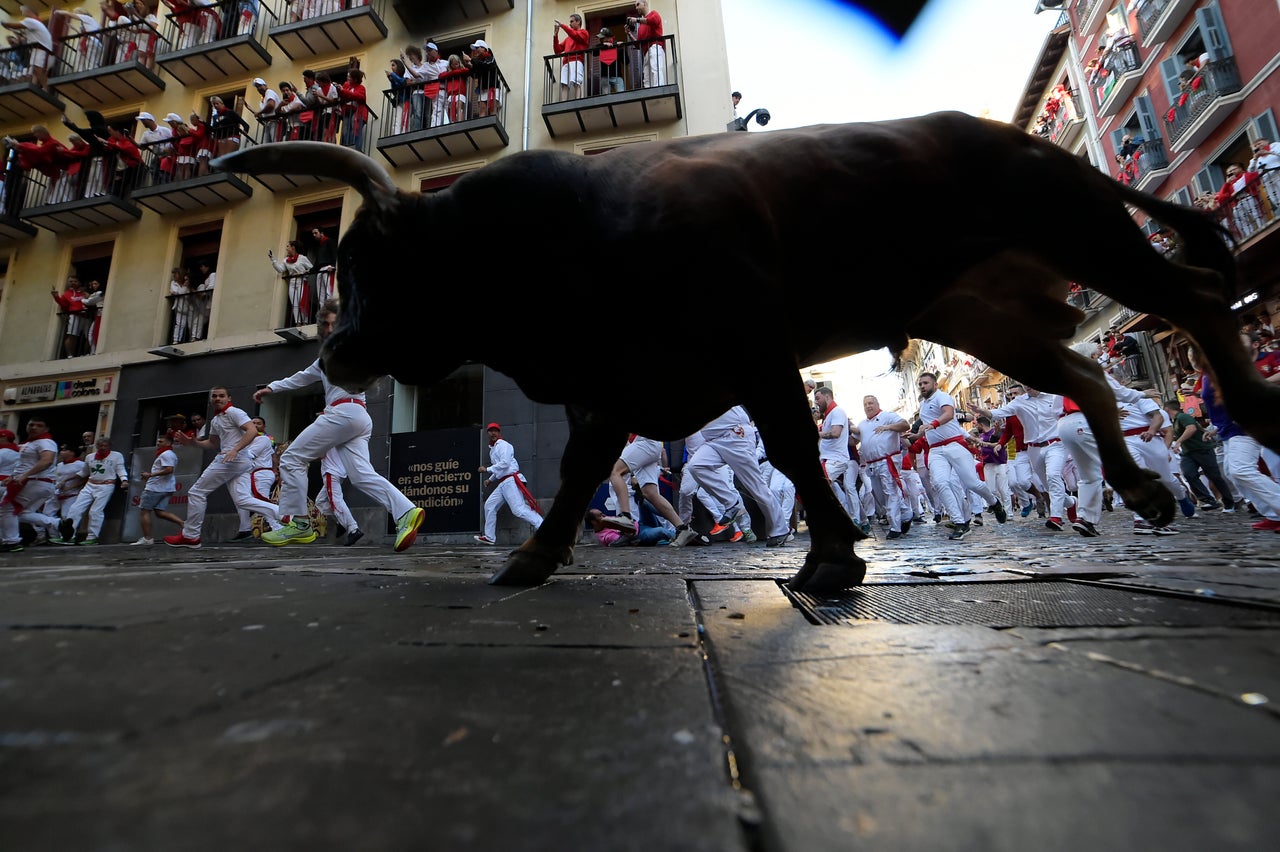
x=993 y=455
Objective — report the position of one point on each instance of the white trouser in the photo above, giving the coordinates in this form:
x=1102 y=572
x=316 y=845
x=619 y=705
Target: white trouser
x=346 y=427
x=1046 y=462
x=782 y=487
x=509 y=493
x=954 y=473
x=688 y=490
x=1241 y=467
x=835 y=468
x=25 y=506
x=654 y=72
x=254 y=486
x=331 y=502
x=217 y=474
x=94 y=497
x=892 y=493
x=739 y=453
x=997 y=474
x=1078 y=439
x=1153 y=455
x=1020 y=479
x=917 y=497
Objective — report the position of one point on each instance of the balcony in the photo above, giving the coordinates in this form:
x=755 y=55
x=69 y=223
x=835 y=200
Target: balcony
x=1252 y=210
x=167 y=187
x=312 y=28
x=436 y=123
x=96 y=194
x=1123 y=73
x=1158 y=19
x=1148 y=164
x=1206 y=106
x=304 y=296
x=215 y=43
x=613 y=95
x=339 y=128
x=40 y=6
x=188 y=316
x=430 y=16
x=22 y=99
x=105 y=67
x=75 y=337
x=1089 y=16
x=12 y=229
x=1087 y=300
x=1067 y=124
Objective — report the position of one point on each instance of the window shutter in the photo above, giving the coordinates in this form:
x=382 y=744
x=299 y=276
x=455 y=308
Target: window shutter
x=1264 y=126
x=1214 y=32
x=1170 y=69
x=1147 y=119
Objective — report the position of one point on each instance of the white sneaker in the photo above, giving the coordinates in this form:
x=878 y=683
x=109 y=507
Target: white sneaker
x=146 y=541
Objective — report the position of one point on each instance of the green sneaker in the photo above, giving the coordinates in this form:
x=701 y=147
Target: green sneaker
x=89 y=541
x=407 y=527
x=290 y=533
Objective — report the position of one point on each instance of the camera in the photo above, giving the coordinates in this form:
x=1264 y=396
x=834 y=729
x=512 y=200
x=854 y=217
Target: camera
x=762 y=117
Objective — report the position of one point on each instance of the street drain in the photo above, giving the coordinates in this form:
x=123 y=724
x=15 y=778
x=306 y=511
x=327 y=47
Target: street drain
x=1023 y=604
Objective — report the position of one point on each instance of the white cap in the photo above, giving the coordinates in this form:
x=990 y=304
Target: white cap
x=173 y=116
x=431 y=45
x=480 y=43
x=258 y=81
x=148 y=116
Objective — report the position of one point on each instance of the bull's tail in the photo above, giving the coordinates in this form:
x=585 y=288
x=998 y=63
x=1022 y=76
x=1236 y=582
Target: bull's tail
x=1204 y=241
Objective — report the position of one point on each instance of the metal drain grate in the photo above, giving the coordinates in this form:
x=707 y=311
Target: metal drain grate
x=1023 y=604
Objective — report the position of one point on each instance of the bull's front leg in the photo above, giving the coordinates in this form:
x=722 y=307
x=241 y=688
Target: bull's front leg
x=786 y=428
x=588 y=457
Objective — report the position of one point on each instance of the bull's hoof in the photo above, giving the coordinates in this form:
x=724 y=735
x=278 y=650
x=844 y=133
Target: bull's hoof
x=1153 y=502
x=819 y=577
x=523 y=569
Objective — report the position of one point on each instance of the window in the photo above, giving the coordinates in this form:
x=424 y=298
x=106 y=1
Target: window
x=193 y=283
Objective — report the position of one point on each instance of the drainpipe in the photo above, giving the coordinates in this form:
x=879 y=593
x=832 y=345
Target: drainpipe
x=528 y=74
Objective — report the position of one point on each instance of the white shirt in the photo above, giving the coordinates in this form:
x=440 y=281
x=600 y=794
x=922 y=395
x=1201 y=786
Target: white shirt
x=163 y=482
x=931 y=410
x=260 y=451
x=1268 y=160
x=29 y=455
x=502 y=460
x=37 y=33
x=107 y=470
x=266 y=107
x=69 y=477
x=1038 y=414
x=874 y=446
x=735 y=421
x=309 y=376
x=228 y=425
x=160 y=134
x=210 y=282
x=8 y=461
x=837 y=447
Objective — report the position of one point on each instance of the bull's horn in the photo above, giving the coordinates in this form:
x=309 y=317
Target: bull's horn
x=320 y=159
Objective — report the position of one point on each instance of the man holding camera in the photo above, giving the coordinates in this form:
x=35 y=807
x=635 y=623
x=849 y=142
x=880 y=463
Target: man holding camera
x=646 y=28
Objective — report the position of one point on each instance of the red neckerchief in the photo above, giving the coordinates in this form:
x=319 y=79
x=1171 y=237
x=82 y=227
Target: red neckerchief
x=291 y=258
x=101 y=455
x=828 y=411
x=160 y=450
x=8 y=445
x=39 y=437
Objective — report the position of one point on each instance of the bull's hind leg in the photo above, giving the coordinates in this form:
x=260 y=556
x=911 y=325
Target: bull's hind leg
x=781 y=412
x=588 y=456
x=1046 y=365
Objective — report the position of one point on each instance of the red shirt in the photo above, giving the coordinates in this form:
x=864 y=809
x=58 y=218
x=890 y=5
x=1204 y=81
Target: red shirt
x=574 y=40
x=649 y=30
x=353 y=100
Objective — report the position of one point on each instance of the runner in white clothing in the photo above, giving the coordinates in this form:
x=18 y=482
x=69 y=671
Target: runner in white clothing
x=344 y=425
x=509 y=487
x=880 y=447
x=950 y=463
x=1039 y=412
x=330 y=500
x=731 y=440
x=257 y=482
x=106 y=468
x=833 y=446
x=29 y=485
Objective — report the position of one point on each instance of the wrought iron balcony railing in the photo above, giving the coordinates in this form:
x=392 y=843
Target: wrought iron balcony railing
x=1216 y=79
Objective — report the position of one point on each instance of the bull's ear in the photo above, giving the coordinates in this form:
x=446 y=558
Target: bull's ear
x=321 y=159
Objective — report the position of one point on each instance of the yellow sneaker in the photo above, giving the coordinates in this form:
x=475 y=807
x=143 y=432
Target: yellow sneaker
x=407 y=527
x=290 y=534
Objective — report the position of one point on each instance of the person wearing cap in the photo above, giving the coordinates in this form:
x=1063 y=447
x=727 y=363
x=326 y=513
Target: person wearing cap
x=572 y=52
x=646 y=28
x=607 y=53
x=344 y=425
x=484 y=70
x=266 y=111
x=509 y=487
x=29 y=485
x=433 y=66
x=184 y=146
x=155 y=141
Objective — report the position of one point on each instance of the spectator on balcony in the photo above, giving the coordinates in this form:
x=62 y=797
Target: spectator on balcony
x=246 y=17
x=433 y=91
x=93 y=311
x=290 y=108
x=399 y=78
x=1264 y=322
x=1240 y=196
x=1128 y=147
x=202 y=300
x=226 y=127
x=40 y=155
x=180 y=305
x=418 y=74
x=269 y=100
x=572 y=52
x=329 y=100
x=645 y=27
x=203 y=144
x=85 y=42
x=72 y=159
x=184 y=146
x=156 y=139
x=70 y=303
x=32 y=31
x=484 y=69
x=610 y=82
x=454 y=81
x=128 y=160
x=196 y=23
x=355 y=109
x=294 y=269
x=324 y=254
x=1266 y=162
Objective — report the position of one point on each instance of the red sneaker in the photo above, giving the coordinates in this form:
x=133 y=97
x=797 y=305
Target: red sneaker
x=181 y=540
x=1267 y=524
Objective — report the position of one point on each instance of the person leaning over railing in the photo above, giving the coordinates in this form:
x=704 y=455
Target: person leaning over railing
x=355 y=109
x=1240 y=196
x=455 y=89
x=294 y=269
x=1266 y=162
x=226 y=127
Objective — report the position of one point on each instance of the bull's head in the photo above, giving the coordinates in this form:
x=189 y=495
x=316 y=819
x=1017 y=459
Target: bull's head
x=371 y=254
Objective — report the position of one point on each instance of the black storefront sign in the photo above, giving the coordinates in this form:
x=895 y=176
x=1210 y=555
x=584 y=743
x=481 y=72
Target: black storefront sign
x=439 y=471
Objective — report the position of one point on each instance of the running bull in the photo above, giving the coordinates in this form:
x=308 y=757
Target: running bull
x=790 y=248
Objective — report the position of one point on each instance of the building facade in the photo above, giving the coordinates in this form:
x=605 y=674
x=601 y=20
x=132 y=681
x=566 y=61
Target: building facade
x=150 y=229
